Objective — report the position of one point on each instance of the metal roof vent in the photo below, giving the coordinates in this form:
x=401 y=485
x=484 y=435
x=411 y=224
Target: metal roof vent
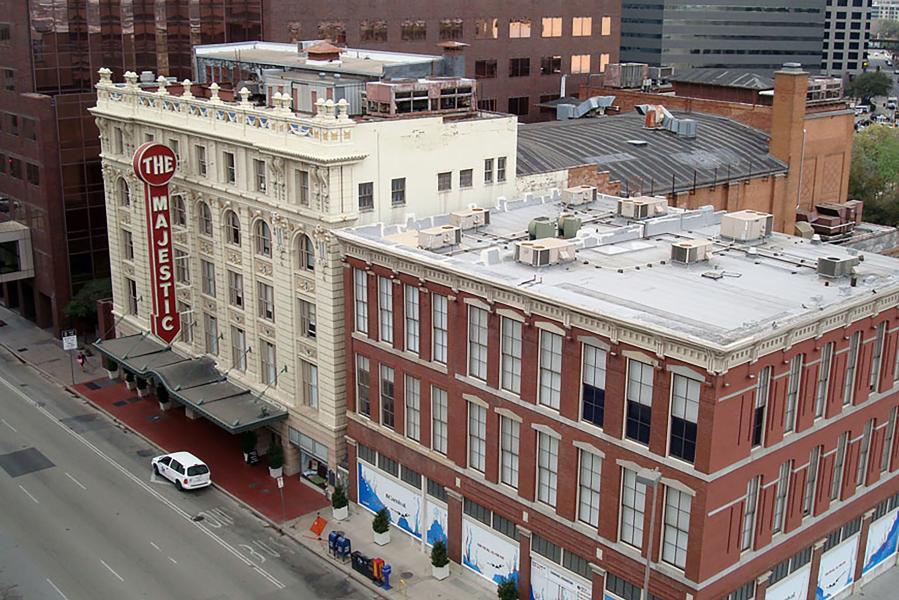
x=688 y=252
x=836 y=266
x=435 y=238
x=746 y=225
x=541 y=227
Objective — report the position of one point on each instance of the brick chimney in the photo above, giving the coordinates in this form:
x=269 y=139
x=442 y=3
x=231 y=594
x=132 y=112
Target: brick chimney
x=788 y=138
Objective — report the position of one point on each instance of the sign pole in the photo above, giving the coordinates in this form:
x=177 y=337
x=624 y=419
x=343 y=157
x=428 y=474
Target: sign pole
x=72 y=365
x=281 y=490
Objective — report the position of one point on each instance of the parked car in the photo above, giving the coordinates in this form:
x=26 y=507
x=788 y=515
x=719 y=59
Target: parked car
x=183 y=469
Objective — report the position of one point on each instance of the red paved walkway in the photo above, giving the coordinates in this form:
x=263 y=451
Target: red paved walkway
x=217 y=448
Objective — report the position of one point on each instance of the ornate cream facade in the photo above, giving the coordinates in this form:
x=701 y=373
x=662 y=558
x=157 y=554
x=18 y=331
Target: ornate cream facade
x=255 y=196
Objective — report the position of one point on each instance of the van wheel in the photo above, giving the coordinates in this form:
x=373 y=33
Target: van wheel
x=178 y=485
x=156 y=469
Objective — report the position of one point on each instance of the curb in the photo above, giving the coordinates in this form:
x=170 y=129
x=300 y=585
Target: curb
x=367 y=583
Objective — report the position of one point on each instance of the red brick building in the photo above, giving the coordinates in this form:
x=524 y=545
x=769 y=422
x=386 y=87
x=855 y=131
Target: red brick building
x=528 y=413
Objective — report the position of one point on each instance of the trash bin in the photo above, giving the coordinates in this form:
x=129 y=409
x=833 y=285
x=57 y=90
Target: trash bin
x=376 y=565
x=361 y=563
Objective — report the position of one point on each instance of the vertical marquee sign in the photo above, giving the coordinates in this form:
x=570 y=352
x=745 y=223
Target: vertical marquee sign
x=154 y=164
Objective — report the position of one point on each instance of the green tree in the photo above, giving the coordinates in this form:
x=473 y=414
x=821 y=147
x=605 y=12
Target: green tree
x=874 y=176
x=888 y=29
x=507 y=590
x=83 y=305
x=869 y=85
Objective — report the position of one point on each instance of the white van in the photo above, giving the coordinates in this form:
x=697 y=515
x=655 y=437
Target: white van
x=183 y=469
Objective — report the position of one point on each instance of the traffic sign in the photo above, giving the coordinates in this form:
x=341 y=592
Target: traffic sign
x=69 y=340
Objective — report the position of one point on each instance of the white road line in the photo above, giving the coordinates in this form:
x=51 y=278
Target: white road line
x=14 y=429
x=58 y=591
x=173 y=560
x=155 y=546
x=76 y=482
x=103 y=562
x=134 y=478
x=27 y=493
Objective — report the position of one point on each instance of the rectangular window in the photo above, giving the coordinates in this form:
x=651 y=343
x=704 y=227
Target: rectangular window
x=413 y=31
x=581 y=26
x=235 y=289
x=511 y=355
x=230 y=167
x=413 y=408
x=200 y=153
x=861 y=474
x=519 y=28
x=207 y=269
x=32 y=174
x=501 y=163
x=132 y=296
x=439 y=412
x=547 y=468
x=780 y=496
x=307 y=318
x=887 y=451
x=412 y=325
x=550 y=65
x=398 y=191
x=519 y=106
x=466 y=177
x=750 y=509
x=639 y=401
x=387 y=397
x=793 y=386
x=187 y=322
x=411 y=477
x=266 y=301
x=676 y=529
x=385 y=309
x=439 y=320
x=259 y=174
x=505 y=526
x=437 y=491
x=877 y=356
x=823 y=379
x=488 y=178
x=508 y=451
x=9 y=80
x=552 y=27
x=450 y=29
x=485 y=69
x=519 y=67
x=373 y=31
x=550 y=391
x=851 y=366
x=444 y=181
x=546 y=549
x=302 y=183
x=366 y=196
x=388 y=465
x=211 y=329
x=838 y=466
x=363 y=386
x=182 y=267
x=477 y=342
x=127 y=245
x=593 y=385
x=606 y=26
x=268 y=363
x=477 y=511
x=238 y=349
x=486 y=29
x=633 y=499
x=477 y=437
x=684 y=416
x=309 y=373
x=762 y=389
x=360 y=300
x=580 y=63
x=811 y=481
x=588 y=488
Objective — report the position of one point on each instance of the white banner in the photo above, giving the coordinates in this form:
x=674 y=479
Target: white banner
x=549 y=581
x=837 y=569
x=490 y=555
x=792 y=587
x=882 y=540
x=435 y=519
x=377 y=491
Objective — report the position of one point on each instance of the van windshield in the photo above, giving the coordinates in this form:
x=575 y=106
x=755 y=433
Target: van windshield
x=197 y=470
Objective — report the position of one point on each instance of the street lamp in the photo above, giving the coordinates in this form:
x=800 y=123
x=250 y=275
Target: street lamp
x=649 y=478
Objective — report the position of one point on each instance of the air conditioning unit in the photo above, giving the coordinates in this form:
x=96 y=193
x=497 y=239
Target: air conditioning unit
x=578 y=195
x=746 y=225
x=642 y=207
x=544 y=252
x=471 y=218
x=691 y=251
x=435 y=238
x=836 y=266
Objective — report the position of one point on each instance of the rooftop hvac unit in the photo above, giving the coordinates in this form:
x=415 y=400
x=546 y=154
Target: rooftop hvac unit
x=746 y=225
x=581 y=194
x=471 y=218
x=435 y=238
x=541 y=227
x=836 y=266
x=642 y=207
x=568 y=226
x=544 y=252
x=691 y=251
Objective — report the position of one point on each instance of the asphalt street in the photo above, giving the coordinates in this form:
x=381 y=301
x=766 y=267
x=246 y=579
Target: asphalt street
x=82 y=516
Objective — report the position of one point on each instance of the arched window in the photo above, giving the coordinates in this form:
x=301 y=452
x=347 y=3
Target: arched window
x=204 y=216
x=123 y=192
x=263 y=239
x=179 y=212
x=232 y=228
x=305 y=253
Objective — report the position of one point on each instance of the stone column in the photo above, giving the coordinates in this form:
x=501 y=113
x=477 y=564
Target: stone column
x=860 y=552
x=761 y=585
x=454 y=525
x=352 y=483
x=599 y=580
x=524 y=563
x=815 y=566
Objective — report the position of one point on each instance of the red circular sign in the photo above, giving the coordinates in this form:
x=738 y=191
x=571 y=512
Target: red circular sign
x=154 y=164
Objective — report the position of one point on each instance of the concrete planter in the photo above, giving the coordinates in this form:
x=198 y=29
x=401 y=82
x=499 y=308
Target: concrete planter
x=440 y=573
x=275 y=473
x=340 y=514
x=382 y=539
x=163 y=406
x=112 y=374
x=129 y=385
x=141 y=393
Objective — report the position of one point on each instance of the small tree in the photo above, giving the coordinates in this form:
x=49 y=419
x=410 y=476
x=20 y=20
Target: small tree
x=869 y=85
x=338 y=497
x=381 y=522
x=507 y=590
x=83 y=305
x=275 y=455
x=438 y=554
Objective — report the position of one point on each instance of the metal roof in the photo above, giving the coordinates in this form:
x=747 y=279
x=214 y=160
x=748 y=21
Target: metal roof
x=726 y=78
x=648 y=161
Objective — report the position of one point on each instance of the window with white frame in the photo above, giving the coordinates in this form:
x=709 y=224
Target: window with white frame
x=811 y=481
x=413 y=318
x=762 y=390
x=124 y=192
x=851 y=367
x=398 y=191
x=204 y=219
x=887 y=451
x=259 y=174
x=268 y=363
x=509 y=440
x=232 y=228
x=366 y=196
x=238 y=349
x=413 y=408
x=861 y=473
x=511 y=355
x=200 y=153
x=211 y=330
x=305 y=253
x=477 y=437
x=501 y=169
x=750 y=510
x=309 y=374
x=439 y=412
x=440 y=325
x=589 y=472
x=547 y=467
x=550 y=390
x=444 y=181
x=676 y=528
x=477 y=342
x=132 y=296
x=633 y=500
x=179 y=211
x=360 y=300
x=388 y=396
x=793 y=384
x=127 y=245
x=823 y=379
x=265 y=301
x=302 y=185
x=839 y=464
x=263 y=237
x=877 y=356
x=638 y=417
x=307 y=318
x=207 y=270
x=363 y=386
x=187 y=322
x=593 y=385
x=488 y=170
x=385 y=309
x=182 y=267
x=780 y=496
x=235 y=288
x=684 y=417
x=230 y=167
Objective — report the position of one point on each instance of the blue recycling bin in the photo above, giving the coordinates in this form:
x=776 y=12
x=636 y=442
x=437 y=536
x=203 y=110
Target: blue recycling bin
x=385 y=576
x=344 y=547
x=332 y=542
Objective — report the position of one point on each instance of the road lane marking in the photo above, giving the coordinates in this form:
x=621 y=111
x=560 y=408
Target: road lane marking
x=155 y=546
x=14 y=429
x=111 y=571
x=268 y=549
x=173 y=560
x=58 y=591
x=137 y=480
x=27 y=493
x=76 y=482
x=252 y=552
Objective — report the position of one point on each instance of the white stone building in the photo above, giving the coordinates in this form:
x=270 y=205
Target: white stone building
x=255 y=195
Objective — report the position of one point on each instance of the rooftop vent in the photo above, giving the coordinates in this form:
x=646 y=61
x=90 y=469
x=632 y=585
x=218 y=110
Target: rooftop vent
x=581 y=194
x=836 y=266
x=544 y=252
x=691 y=251
x=569 y=225
x=642 y=207
x=541 y=227
x=746 y=225
x=471 y=218
x=435 y=238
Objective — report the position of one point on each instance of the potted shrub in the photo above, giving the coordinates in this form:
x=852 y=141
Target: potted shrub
x=129 y=380
x=507 y=590
x=141 y=387
x=339 y=503
x=275 y=456
x=162 y=395
x=247 y=444
x=111 y=366
x=381 y=527
x=439 y=560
